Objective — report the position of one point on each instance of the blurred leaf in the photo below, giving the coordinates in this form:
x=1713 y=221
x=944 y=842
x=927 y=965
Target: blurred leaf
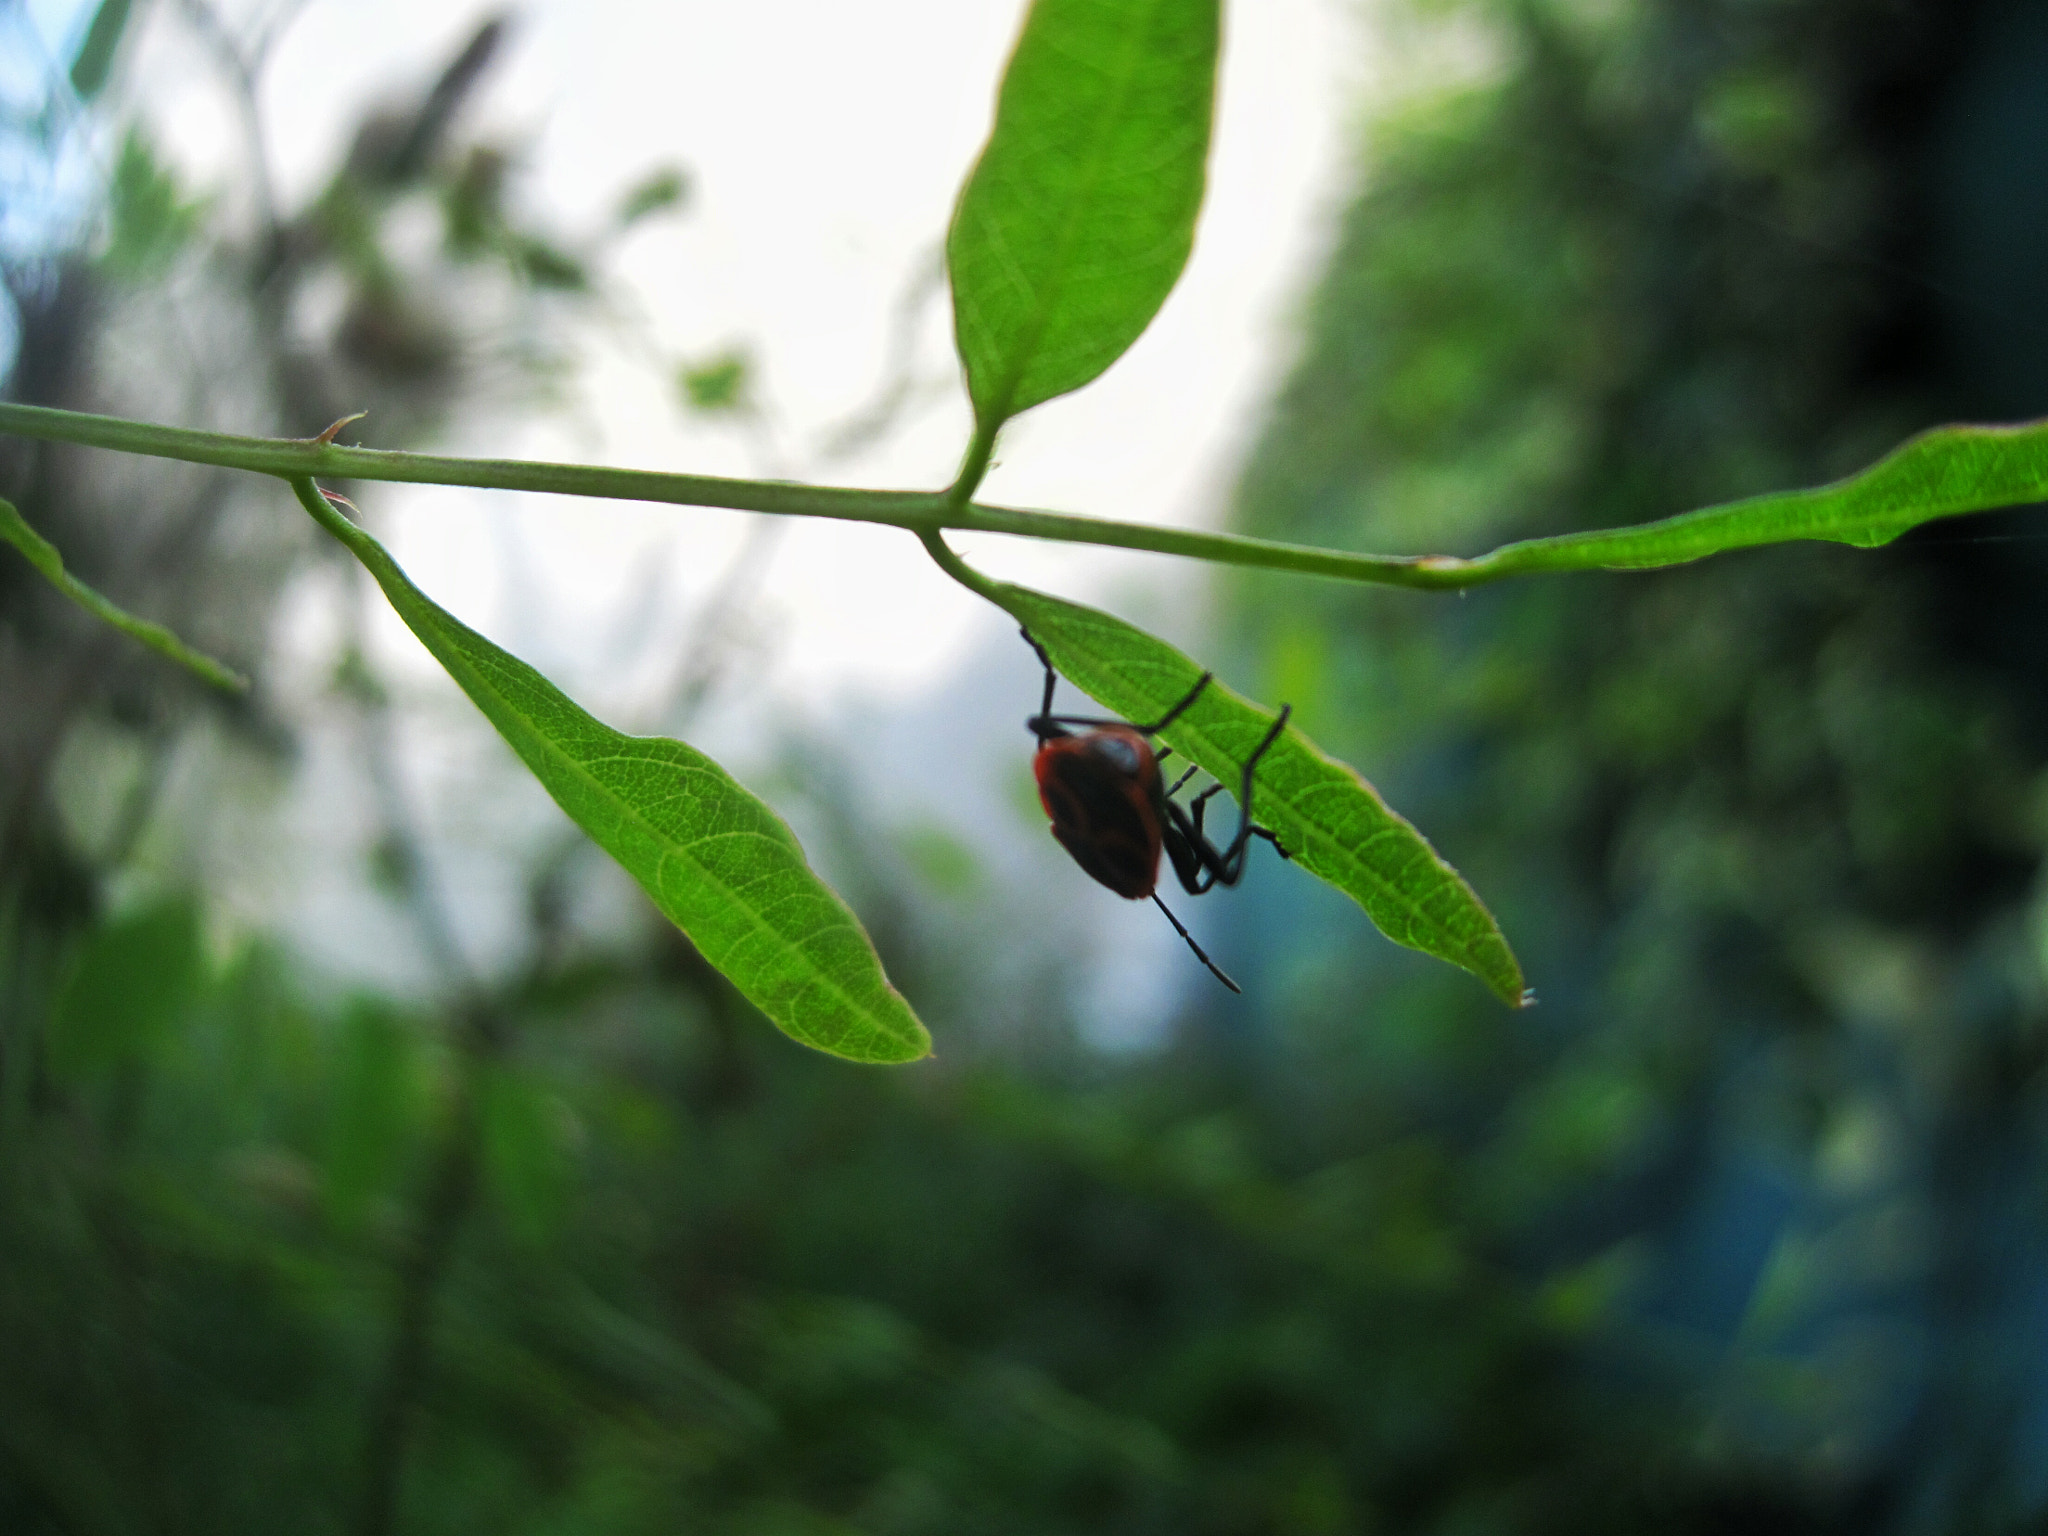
x=1330 y=820
x=43 y=555
x=713 y=858
x=545 y=266
x=148 y=221
x=355 y=680
x=371 y=1106
x=942 y=859
x=473 y=203
x=1080 y=213
x=133 y=979
x=667 y=188
x=394 y=865
x=1937 y=474
x=720 y=385
x=1760 y=120
x=95 y=59
x=526 y=1152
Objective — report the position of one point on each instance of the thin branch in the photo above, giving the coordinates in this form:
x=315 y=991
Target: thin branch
x=1940 y=473
x=42 y=554
x=917 y=511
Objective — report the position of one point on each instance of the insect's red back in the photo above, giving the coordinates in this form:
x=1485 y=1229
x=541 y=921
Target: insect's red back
x=1102 y=792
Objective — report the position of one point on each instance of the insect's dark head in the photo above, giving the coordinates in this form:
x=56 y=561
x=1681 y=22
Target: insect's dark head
x=1046 y=729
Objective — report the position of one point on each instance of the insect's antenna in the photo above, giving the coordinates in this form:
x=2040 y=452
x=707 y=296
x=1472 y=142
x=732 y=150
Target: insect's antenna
x=1214 y=969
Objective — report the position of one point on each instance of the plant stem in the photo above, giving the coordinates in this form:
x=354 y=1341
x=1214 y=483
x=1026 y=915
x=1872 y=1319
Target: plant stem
x=42 y=554
x=1940 y=473
x=973 y=469
x=959 y=569
x=301 y=458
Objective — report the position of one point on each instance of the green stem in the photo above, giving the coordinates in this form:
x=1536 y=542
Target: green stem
x=974 y=468
x=300 y=458
x=42 y=554
x=1941 y=473
x=959 y=569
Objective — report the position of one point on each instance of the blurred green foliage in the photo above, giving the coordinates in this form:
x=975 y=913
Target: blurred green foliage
x=1766 y=831
x=723 y=383
x=149 y=217
x=721 y=1285
x=1735 y=1233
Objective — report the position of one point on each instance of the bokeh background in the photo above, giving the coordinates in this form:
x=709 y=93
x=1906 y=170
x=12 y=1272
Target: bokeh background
x=372 y=1160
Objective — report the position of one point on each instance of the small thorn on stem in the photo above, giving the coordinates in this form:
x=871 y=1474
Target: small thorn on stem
x=326 y=439
x=341 y=501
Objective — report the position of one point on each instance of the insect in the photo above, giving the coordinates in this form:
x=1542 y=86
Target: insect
x=1113 y=810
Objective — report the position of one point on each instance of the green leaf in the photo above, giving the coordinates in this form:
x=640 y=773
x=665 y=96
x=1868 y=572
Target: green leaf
x=372 y=1110
x=149 y=220
x=42 y=554
x=1080 y=213
x=1941 y=473
x=548 y=266
x=661 y=191
x=715 y=860
x=526 y=1151
x=133 y=979
x=1329 y=820
x=95 y=60
x=719 y=385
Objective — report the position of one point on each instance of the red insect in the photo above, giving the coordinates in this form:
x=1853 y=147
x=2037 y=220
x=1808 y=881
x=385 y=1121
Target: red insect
x=1113 y=810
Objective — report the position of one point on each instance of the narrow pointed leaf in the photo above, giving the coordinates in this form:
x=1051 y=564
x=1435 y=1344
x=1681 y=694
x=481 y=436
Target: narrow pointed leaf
x=1330 y=820
x=1940 y=473
x=717 y=861
x=42 y=554
x=1080 y=213
x=95 y=59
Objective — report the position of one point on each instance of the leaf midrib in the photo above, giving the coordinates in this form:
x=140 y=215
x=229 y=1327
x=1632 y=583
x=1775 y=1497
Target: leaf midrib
x=626 y=809
x=1034 y=332
x=1330 y=843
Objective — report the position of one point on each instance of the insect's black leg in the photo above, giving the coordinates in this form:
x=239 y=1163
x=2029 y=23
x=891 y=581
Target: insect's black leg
x=1223 y=866
x=1209 y=857
x=1174 y=713
x=1214 y=969
x=1044 y=716
x=1233 y=856
x=1085 y=720
x=1174 y=787
x=1195 y=860
x=1272 y=837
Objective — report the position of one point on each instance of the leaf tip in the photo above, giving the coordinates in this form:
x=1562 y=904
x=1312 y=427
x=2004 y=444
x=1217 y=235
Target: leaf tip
x=901 y=1053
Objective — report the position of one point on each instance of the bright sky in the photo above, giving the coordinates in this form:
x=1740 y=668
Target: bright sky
x=826 y=143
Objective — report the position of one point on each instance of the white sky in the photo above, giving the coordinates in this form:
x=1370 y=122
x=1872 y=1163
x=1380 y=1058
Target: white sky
x=825 y=142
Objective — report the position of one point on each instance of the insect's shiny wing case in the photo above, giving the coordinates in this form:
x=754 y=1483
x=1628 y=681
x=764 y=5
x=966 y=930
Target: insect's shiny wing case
x=1098 y=791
